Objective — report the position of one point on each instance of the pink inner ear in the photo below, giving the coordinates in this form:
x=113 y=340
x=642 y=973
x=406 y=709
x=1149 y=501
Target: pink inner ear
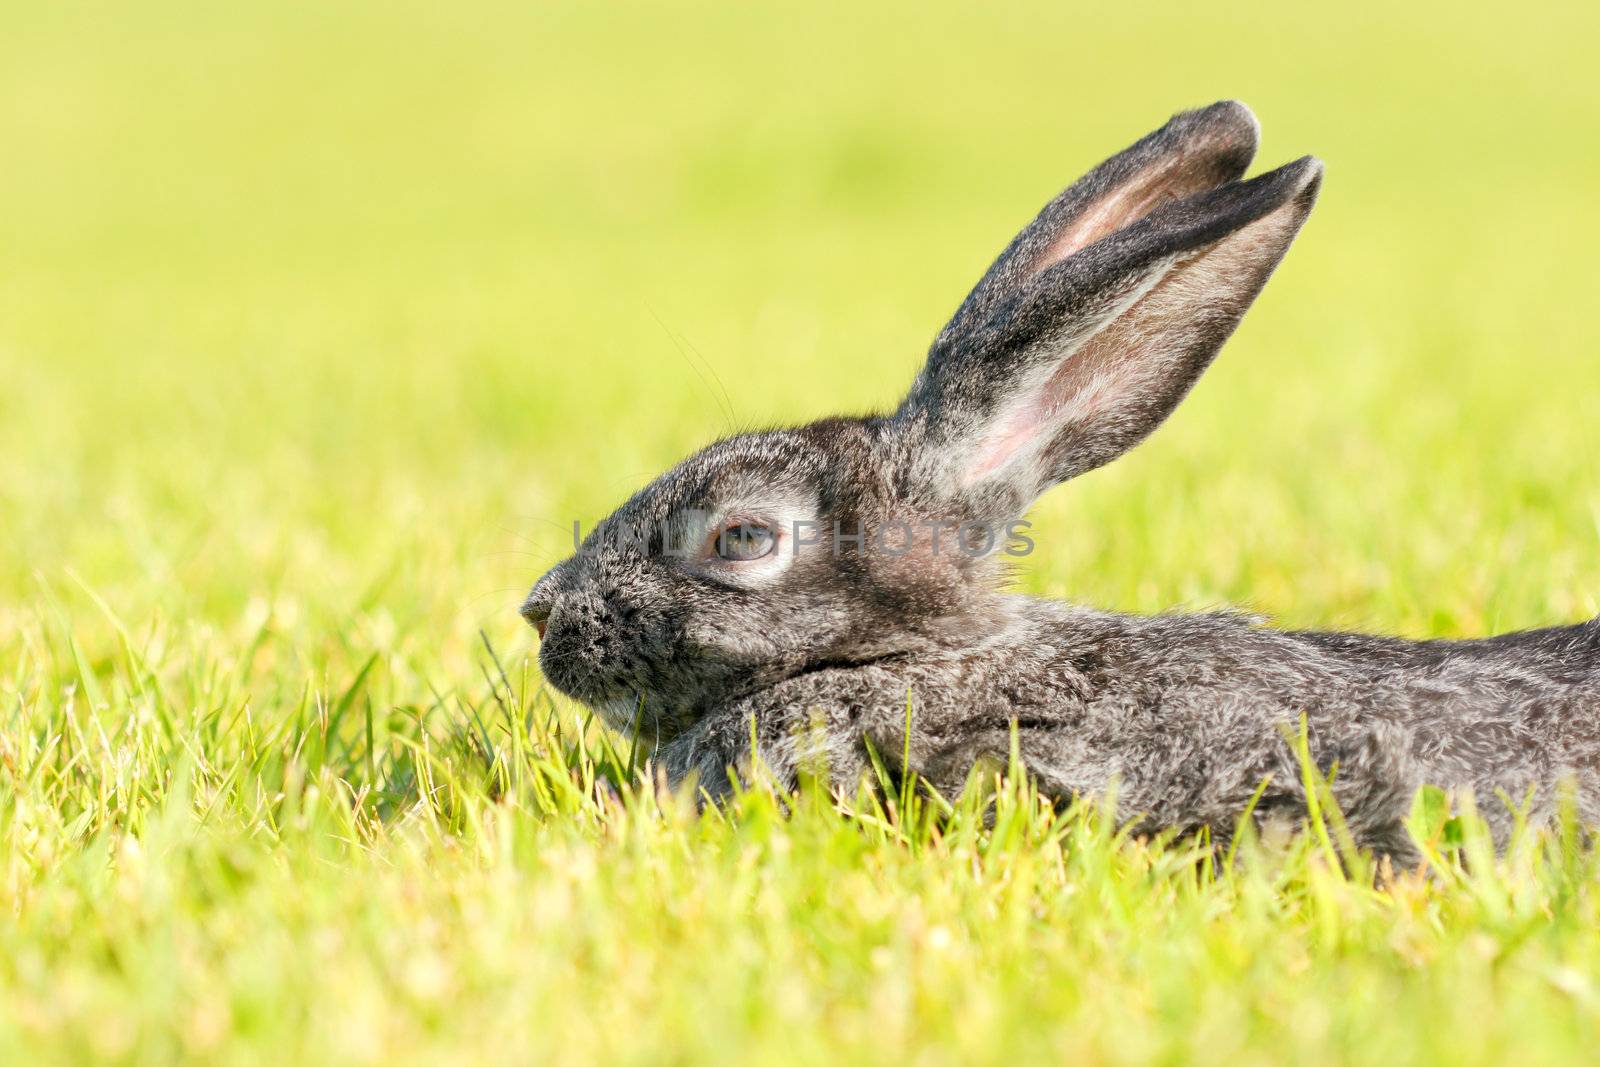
x=1165 y=180
x=1082 y=383
x=1016 y=432
x=1099 y=385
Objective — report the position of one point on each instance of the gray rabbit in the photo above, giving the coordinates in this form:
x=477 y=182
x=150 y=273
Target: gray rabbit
x=793 y=592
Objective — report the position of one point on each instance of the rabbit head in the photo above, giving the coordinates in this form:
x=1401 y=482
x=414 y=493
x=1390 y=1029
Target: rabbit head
x=769 y=554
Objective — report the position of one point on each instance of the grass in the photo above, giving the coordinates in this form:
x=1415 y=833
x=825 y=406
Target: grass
x=320 y=323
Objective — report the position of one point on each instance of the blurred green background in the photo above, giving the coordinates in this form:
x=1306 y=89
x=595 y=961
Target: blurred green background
x=354 y=307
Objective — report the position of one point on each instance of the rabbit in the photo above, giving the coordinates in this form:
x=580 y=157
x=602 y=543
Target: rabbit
x=795 y=595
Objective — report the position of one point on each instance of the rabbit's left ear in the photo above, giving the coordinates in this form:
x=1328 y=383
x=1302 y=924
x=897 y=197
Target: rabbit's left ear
x=1095 y=323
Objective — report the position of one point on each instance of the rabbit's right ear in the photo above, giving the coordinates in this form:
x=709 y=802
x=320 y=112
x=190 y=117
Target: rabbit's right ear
x=1099 y=317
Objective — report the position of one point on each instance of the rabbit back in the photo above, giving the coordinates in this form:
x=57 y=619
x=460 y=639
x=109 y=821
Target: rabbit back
x=1186 y=716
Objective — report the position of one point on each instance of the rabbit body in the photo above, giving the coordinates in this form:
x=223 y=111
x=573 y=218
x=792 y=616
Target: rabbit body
x=1190 y=714
x=795 y=593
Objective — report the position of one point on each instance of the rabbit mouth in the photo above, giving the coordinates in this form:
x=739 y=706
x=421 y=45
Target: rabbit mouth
x=626 y=709
x=575 y=677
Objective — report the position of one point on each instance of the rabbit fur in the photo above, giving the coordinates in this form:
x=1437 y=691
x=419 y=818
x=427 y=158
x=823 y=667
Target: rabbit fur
x=879 y=557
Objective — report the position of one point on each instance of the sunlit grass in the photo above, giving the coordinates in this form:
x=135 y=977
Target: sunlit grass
x=332 y=878
x=321 y=323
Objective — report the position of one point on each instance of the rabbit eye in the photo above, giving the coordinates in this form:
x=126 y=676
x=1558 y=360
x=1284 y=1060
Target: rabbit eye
x=741 y=542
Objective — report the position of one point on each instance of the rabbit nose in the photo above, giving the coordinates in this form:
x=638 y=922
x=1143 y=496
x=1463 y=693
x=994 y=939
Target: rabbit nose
x=536 y=609
x=542 y=597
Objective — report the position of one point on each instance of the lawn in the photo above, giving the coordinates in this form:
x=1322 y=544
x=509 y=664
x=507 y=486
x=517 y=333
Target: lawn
x=320 y=323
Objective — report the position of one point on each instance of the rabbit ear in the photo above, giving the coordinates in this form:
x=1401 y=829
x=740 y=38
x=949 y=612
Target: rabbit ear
x=1195 y=151
x=1049 y=371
